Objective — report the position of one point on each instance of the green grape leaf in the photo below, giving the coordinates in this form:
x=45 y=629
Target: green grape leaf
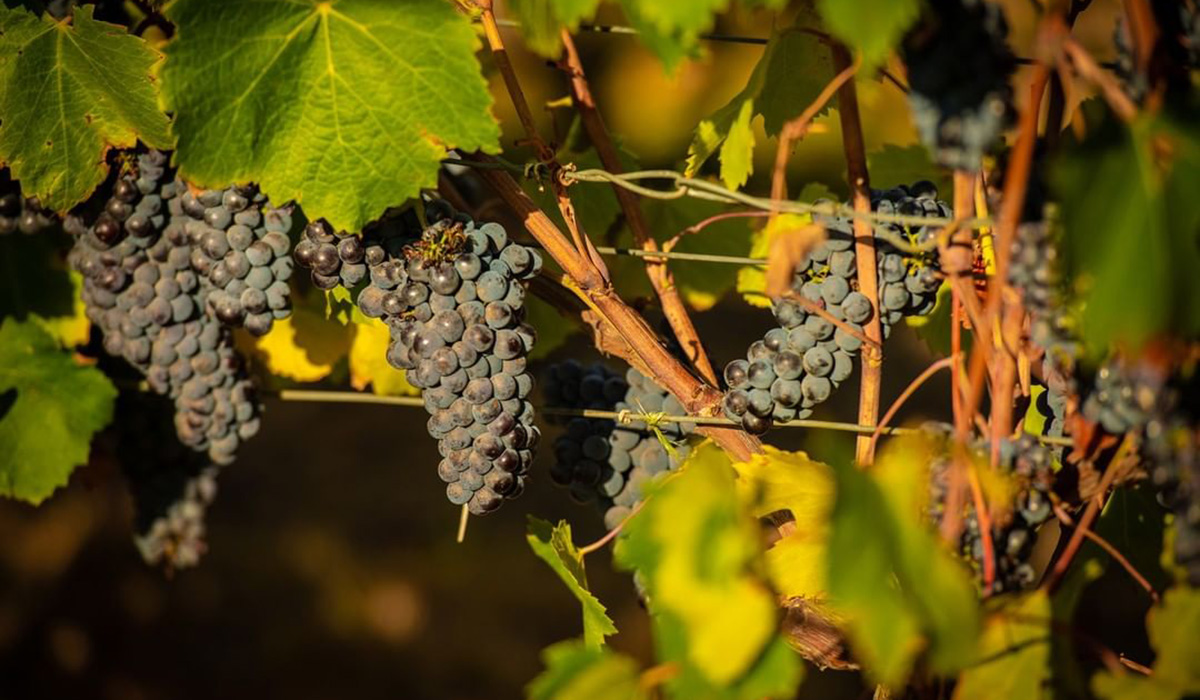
x=869 y=27
x=797 y=71
x=542 y=22
x=902 y=592
x=1130 y=215
x=553 y=545
x=774 y=480
x=345 y=107
x=578 y=671
x=893 y=165
x=1172 y=628
x=696 y=549
x=1014 y=652
x=791 y=72
x=33 y=279
x=49 y=409
x=69 y=91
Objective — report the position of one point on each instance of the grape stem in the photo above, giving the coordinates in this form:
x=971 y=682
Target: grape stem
x=545 y=153
x=1115 y=468
x=796 y=129
x=1112 y=551
x=944 y=363
x=611 y=534
x=657 y=270
x=864 y=247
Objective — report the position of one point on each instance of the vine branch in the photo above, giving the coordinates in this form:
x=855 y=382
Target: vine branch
x=660 y=275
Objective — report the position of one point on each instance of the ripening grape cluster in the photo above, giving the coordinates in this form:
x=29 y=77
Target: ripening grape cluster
x=959 y=71
x=161 y=271
x=601 y=460
x=1031 y=466
x=797 y=366
x=172 y=486
x=454 y=303
x=24 y=214
x=332 y=258
x=240 y=245
x=1172 y=446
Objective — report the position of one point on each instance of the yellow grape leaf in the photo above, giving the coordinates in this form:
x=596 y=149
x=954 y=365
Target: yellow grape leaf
x=73 y=329
x=304 y=347
x=775 y=480
x=369 y=365
x=1014 y=652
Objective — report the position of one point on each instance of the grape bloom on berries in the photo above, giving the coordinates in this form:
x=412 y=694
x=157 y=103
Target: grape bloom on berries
x=453 y=300
x=799 y=364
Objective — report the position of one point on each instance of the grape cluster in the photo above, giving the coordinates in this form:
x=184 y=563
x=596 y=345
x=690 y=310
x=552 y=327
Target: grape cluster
x=1031 y=465
x=142 y=291
x=798 y=365
x=171 y=484
x=240 y=245
x=24 y=214
x=1034 y=270
x=455 y=306
x=1173 y=451
x=959 y=67
x=333 y=258
x=603 y=461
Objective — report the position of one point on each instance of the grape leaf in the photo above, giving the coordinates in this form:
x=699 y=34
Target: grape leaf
x=1014 y=652
x=35 y=283
x=774 y=480
x=68 y=93
x=903 y=165
x=303 y=347
x=49 y=409
x=578 y=671
x=1172 y=628
x=791 y=72
x=737 y=153
x=752 y=279
x=1130 y=215
x=553 y=545
x=869 y=27
x=368 y=361
x=346 y=108
x=902 y=592
x=935 y=327
x=696 y=549
x=542 y=21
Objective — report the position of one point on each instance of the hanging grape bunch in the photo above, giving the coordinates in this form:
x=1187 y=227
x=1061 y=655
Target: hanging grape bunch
x=24 y=214
x=1030 y=466
x=798 y=365
x=171 y=485
x=144 y=291
x=600 y=460
x=454 y=303
x=959 y=71
x=241 y=245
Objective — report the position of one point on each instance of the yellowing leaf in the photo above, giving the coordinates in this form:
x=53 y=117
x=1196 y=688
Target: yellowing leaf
x=752 y=279
x=369 y=365
x=694 y=548
x=774 y=480
x=737 y=153
x=1014 y=653
x=304 y=347
x=69 y=329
